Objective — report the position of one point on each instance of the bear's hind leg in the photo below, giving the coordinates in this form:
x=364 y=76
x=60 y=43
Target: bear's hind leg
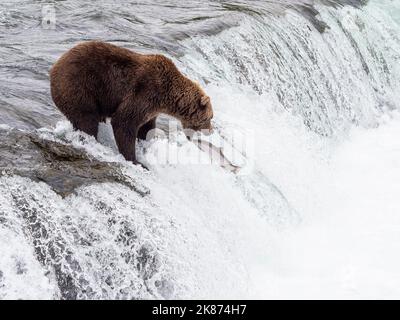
x=88 y=123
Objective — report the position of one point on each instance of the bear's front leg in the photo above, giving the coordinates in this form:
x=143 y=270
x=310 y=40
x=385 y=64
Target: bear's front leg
x=125 y=137
x=145 y=128
x=125 y=126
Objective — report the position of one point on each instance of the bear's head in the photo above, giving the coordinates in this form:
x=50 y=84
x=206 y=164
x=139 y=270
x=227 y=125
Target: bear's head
x=198 y=109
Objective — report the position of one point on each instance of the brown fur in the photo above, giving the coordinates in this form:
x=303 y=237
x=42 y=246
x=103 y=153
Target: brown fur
x=95 y=80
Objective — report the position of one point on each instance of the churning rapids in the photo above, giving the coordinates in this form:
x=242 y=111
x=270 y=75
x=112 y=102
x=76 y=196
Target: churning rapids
x=316 y=216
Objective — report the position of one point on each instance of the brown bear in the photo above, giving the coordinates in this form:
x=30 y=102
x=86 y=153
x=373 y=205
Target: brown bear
x=96 y=80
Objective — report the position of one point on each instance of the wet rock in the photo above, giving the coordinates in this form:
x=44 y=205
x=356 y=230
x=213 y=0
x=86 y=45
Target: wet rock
x=61 y=166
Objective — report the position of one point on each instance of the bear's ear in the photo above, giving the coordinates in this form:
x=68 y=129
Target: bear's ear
x=204 y=101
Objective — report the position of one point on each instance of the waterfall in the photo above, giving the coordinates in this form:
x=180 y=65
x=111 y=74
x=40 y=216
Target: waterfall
x=317 y=85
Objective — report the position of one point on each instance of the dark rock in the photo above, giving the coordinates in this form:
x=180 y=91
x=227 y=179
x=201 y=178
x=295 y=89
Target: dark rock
x=61 y=166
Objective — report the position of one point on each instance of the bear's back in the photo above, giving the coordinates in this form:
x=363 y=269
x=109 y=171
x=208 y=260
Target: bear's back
x=99 y=70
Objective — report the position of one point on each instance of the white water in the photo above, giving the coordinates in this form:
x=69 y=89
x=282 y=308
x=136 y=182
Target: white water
x=318 y=217
x=349 y=247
